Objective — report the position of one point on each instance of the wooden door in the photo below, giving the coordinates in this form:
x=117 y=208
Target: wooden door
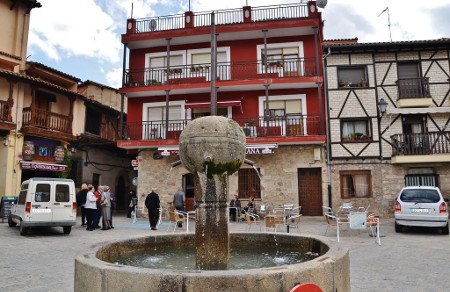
x=310 y=191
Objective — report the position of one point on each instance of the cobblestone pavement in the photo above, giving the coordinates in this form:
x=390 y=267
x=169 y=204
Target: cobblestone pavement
x=413 y=261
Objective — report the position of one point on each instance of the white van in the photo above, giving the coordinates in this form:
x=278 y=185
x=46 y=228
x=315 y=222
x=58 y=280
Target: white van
x=45 y=202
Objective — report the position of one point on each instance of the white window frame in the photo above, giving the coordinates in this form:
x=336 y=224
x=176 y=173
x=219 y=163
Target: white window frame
x=146 y=106
x=301 y=97
x=298 y=45
x=148 y=56
x=208 y=50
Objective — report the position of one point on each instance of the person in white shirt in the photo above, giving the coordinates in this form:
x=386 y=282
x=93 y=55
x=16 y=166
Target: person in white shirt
x=90 y=207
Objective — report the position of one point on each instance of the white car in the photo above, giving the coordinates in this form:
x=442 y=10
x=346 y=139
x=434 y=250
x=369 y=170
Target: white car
x=45 y=202
x=421 y=206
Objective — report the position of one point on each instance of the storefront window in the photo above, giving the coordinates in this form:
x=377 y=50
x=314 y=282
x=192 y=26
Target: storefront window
x=356 y=184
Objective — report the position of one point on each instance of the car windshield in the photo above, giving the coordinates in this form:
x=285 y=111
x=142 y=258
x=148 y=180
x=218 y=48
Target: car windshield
x=420 y=196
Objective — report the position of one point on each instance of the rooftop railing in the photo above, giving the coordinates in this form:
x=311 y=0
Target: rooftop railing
x=274 y=126
x=188 y=74
x=222 y=17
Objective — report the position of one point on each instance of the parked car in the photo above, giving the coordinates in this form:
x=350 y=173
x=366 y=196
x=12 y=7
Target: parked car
x=45 y=202
x=421 y=206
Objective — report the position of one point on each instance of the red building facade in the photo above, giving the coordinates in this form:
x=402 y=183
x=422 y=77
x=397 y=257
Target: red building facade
x=268 y=77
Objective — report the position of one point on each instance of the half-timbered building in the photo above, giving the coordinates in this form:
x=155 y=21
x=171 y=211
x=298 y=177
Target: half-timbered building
x=388 y=118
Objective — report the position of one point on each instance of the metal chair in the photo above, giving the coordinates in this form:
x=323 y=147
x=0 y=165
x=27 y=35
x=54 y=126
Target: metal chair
x=332 y=221
x=252 y=219
x=293 y=221
x=175 y=217
x=270 y=222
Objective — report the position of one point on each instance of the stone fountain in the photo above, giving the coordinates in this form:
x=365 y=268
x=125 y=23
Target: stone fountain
x=212 y=148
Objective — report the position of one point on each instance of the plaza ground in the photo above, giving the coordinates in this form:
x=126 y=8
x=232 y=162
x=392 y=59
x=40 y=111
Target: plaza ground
x=413 y=261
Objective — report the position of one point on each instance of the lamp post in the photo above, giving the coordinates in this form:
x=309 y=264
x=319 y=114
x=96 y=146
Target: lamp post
x=382 y=105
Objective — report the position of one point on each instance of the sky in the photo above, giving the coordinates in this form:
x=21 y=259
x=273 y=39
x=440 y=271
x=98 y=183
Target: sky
x=82 y=38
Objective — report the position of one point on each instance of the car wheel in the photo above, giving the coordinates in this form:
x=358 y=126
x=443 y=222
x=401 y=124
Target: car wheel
x=11 y=223
x=444 y=230
x=67 y=229
x=22 y=229
x=398 y=228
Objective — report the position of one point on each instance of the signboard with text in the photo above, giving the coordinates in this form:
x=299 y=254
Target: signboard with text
x=43 y=166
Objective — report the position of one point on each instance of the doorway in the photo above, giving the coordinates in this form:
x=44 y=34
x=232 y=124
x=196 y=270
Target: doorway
x=189 y=190
x=310 y=191
x=120 y=194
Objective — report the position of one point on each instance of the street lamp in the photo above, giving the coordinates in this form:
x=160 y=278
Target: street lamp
x=382 y=105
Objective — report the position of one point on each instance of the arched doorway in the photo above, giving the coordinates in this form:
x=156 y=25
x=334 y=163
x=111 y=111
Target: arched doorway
x=121 y=194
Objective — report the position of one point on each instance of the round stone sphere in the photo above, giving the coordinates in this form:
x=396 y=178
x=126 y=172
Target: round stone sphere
x=212 y=145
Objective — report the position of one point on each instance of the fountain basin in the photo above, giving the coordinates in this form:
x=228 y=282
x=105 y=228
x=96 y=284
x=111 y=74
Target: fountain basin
x=330 y=270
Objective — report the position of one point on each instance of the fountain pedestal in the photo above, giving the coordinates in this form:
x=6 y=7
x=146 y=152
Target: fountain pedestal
x=211 y=226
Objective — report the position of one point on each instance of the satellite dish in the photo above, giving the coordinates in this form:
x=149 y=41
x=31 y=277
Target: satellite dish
x=153 y=24
x=322 y=3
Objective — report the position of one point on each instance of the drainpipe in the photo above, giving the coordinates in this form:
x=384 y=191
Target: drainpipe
x=213 y=65
x=266 y=86
x=122 y=95
x=167 y=91
x=328 y=145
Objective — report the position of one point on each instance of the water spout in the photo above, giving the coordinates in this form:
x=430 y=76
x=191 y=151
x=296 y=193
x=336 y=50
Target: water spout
x=176 y=163
x=249 y=162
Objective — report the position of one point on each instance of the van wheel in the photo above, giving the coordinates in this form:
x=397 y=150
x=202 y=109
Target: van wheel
x=67 y=229
x=11 y=223
x=22 y=229
x=444 y=230
x=398 y=228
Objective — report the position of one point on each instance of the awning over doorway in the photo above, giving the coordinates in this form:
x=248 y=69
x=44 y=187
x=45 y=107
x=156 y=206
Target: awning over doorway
x=42 y=166
x=208 y=104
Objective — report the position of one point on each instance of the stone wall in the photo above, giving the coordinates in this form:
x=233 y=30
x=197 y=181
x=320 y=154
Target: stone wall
x=278 y=175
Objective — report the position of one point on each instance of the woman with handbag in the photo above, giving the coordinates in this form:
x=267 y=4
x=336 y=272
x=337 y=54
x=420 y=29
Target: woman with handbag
x=106 y=208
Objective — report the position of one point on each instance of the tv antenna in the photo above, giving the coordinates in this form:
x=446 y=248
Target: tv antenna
x=389 y=20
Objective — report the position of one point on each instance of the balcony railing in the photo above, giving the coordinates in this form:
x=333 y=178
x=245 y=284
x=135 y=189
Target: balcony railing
x=228 y=16
x=47 y=120
x=226 y=71
x=291 y=126
x=413 y=87
x=5 y=112
x=420 y=144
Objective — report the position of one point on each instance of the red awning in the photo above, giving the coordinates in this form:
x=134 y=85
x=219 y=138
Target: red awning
x=208 y=104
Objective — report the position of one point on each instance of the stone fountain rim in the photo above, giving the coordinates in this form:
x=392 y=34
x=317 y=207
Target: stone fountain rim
x=89 y=258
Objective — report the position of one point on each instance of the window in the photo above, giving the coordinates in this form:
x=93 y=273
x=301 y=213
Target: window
x=355 y=130
x=420 y=196
x=95 y=180
x=23 y=194
x=277 y=57
x=93 y=121
x=249 y=183
x=161 y=62
x=42 y=193
x=62 y=193
x=280 y=108
x=356 y=184
x=354 y=76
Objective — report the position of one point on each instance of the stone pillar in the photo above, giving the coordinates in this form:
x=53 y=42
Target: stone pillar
x=212 y=240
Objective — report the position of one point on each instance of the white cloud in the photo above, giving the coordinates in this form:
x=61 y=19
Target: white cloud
x=82 y=29
x=114 y=77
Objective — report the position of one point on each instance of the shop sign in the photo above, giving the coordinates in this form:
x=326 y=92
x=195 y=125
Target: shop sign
x=260 y=149
x=42 y=166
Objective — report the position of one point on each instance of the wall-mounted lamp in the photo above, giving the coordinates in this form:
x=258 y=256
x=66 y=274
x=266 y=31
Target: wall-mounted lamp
x=382 y=105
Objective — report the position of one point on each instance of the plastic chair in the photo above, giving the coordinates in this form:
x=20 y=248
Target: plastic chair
x=293 y=221
x=175 y=218
x=252 y=219
x=270 y=222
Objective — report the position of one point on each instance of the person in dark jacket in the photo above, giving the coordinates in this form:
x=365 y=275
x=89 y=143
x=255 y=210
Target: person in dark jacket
x=152 y=203
x=81 y=200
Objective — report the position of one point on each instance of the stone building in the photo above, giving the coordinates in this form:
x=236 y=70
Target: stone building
x=388 y=117
x=268 y=78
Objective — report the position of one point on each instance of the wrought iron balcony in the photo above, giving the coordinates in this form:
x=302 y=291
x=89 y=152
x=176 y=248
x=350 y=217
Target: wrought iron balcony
x=46 y=120
x=421 y=144
x=276 y=126
x=228 y=16
x=226 y=71
x=414 y=88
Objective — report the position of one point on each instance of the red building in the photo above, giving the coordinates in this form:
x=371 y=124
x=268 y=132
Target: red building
x=268 y=77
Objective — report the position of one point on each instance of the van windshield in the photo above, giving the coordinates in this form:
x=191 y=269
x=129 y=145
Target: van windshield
x=420 y=196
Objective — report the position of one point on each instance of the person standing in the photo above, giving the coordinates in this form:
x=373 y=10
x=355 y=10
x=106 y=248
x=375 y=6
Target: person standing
x=81 y=200
x=235 y=206
x=98 y=213
x=132 y=204
x=106 y=208
x=153 y=204
x=90 y=208
x=113 y=207
x=178 y=203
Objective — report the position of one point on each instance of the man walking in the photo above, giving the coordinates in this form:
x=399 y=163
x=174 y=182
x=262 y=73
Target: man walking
x=152 y=203
x=178 y=203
